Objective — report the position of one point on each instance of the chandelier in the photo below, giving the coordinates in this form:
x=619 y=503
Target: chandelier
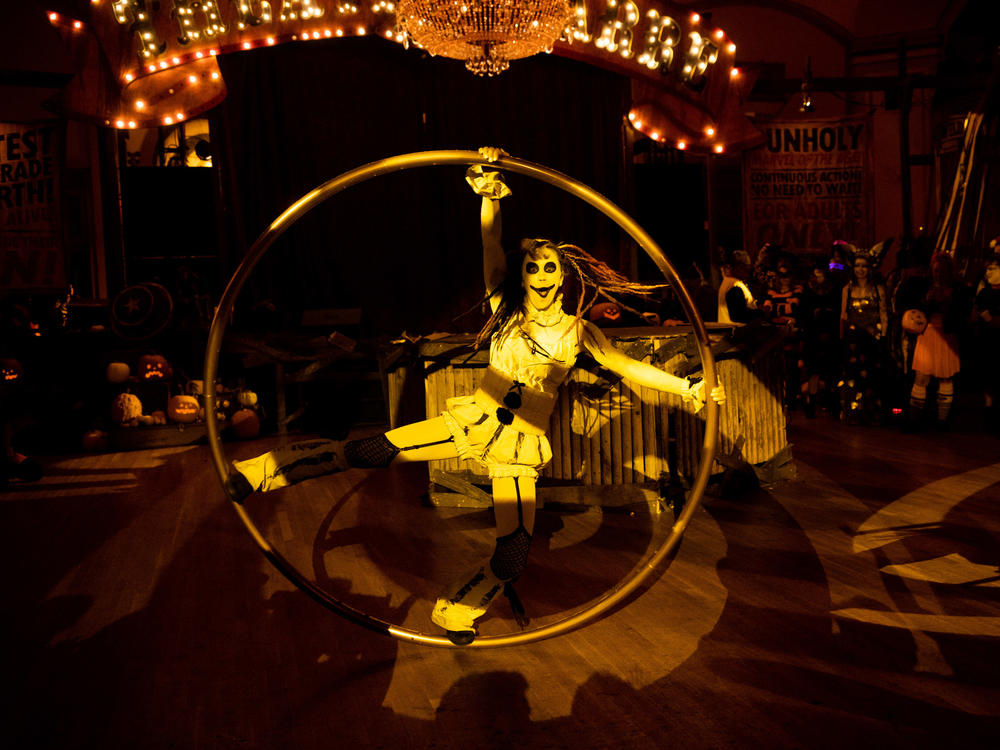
x=487 y=34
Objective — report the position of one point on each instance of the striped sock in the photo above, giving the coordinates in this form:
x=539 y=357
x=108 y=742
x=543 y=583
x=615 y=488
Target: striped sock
x=945 y=395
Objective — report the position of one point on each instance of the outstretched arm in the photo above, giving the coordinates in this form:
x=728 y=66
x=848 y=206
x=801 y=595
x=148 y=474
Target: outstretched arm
x=642 y=373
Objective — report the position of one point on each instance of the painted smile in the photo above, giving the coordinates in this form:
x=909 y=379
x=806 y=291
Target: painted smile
x=543 y=292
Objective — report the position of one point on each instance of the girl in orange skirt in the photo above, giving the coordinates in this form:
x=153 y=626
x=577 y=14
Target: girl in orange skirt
x=936 y=351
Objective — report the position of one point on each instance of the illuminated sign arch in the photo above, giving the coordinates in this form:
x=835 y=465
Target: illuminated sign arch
x=155 y=64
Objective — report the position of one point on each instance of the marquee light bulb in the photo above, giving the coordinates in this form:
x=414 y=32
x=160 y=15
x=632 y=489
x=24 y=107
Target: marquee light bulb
x=720 y=34
x=638 y=124
x=77 y=25
x=246 y=45
x=119 y=123
x=140 y=104
x=654 y=135
x=681 y=145
x=53 y=17
x=129 y=77
x=734 y=73
x=709 y=131
x=731 y=48
x=719 y=148
x=695 y=18
x=168 y=120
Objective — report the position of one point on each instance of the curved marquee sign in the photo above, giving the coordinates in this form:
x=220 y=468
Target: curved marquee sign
x=148 y=63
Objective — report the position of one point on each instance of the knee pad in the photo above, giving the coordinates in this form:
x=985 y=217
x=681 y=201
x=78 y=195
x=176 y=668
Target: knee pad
x=370 y=453
x=511 y=554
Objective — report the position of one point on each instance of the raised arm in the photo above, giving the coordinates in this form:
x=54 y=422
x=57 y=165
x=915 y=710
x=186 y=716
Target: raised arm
x=494 y=262
x=491 y=187
x=604 y=352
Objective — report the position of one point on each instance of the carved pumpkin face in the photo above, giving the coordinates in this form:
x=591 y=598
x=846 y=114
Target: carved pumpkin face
x=117 y=372
x=153 y=367
x=126 y=408
x=10 y=370
x=183 y=409
x=914 y=321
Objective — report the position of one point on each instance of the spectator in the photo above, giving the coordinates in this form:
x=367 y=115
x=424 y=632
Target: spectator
x=936 y=352
x=863 y=322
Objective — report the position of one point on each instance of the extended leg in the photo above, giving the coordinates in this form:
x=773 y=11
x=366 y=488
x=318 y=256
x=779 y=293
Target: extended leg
x=469 y=599
x=421 y=441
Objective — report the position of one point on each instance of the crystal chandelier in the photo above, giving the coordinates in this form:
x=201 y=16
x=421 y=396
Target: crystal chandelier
x=487 y=34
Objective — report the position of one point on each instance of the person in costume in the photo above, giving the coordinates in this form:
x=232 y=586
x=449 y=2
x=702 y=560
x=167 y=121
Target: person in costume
x=935 y=355
x=533 y=345
x=864 y=320
x=986 y=319
x=736 y=303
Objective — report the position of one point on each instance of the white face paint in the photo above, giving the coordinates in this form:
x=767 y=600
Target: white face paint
x=993 y=274
x=542 y=278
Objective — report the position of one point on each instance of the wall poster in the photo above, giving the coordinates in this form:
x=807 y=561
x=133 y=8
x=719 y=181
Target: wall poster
x=810 y=184
x=31 y=246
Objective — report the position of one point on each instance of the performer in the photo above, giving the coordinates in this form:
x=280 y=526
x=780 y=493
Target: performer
x=533 y=344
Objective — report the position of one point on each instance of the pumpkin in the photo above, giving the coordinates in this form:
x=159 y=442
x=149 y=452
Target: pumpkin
x=94 y=440
x=245 y=424
x=159 y=417
x=183 y=409
x=10 y=370
x=247 y=399
x=154 y=367
x=914 y=321
x=117 y=372
x=126 y=408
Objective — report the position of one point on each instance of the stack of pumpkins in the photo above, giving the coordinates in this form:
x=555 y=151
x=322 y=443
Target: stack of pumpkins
x=238 y=412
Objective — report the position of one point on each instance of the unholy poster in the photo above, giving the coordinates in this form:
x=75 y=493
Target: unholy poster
x=808 y=185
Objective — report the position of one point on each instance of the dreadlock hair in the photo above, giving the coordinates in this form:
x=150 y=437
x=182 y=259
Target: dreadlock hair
x=589 y=278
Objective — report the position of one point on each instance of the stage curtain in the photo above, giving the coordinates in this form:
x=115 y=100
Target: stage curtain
x=404 y=248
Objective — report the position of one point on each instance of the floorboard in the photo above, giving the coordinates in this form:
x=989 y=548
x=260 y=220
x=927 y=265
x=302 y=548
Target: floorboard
x=857 y=603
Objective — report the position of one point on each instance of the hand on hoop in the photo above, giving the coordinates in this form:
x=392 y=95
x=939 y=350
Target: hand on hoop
x=487 y=183
x=492 y=153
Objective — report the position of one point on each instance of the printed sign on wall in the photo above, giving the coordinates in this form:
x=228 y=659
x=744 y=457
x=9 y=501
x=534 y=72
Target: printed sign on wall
x=31 y=247
x=808 y=185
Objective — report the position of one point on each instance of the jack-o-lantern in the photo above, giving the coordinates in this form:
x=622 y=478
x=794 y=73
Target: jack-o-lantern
x=126 y=408
x=182 y=409
x=914 y=321
x=245 y=424
x=247 y=399
x=10 y=370
x=117 y=372
x=154 y=367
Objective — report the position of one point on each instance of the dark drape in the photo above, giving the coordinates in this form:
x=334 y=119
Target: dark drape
x=405 y=248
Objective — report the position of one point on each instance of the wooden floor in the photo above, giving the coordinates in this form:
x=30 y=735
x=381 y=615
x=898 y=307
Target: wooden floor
x=858 y=605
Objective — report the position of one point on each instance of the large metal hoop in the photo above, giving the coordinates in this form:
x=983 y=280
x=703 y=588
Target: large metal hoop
x=538 y=172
